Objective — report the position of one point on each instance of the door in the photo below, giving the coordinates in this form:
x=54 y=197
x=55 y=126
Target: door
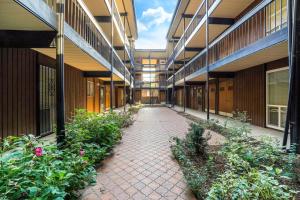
x=226 y=97
x=277 y=82
x=47 y=99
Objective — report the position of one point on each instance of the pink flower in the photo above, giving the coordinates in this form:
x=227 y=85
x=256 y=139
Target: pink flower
x=38 y=151
x=81 y=152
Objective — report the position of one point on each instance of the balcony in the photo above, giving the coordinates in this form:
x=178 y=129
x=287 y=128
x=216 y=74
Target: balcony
x=194 y=36
x=86 y=46
x=252 y=38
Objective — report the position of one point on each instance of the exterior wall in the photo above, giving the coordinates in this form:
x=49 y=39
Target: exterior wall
x=249 y=93
x=137 y=96
x=179 y=96
x=18 y=92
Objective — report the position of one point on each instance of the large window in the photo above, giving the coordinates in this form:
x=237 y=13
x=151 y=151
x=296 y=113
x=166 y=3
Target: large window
x=277 y=97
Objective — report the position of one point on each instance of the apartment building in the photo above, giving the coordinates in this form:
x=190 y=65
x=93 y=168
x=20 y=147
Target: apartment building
x=150 y=76
x=230 y=56
x=98 y=40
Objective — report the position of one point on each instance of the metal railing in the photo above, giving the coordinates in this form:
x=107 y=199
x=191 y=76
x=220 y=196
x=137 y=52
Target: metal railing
x=265 y=19
x=199 y=15
x=150 y=68
x=82 y=21
x=257 y=24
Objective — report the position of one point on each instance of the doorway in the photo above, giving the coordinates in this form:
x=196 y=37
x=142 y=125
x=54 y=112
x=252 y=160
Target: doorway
x=47 y=100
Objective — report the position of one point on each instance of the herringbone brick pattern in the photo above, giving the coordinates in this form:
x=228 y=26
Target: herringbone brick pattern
x=142 y=166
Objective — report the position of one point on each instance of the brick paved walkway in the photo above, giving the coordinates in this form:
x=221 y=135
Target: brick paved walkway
x=142 y=166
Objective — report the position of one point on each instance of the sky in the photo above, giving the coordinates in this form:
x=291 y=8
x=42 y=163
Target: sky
x=153 y=21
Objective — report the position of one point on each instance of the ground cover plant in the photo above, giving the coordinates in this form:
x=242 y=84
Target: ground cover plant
x=242 y=168
x=30 y=169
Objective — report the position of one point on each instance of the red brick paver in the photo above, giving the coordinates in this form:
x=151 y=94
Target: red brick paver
x=142 y=166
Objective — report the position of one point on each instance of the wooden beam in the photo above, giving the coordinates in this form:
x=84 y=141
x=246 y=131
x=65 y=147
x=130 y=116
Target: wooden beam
x=195 y=83
x=97 y=74
x=193 y=49
x=220 y=21
x=119 y=48
x=221 y=74
x=189 y=16
x=103 y=19
x=26 y=39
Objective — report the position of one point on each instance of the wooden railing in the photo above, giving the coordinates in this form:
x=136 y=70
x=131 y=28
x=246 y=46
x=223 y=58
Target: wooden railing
x=262 y=21
x=258 y=26
x=198 y=16
x=82 y=21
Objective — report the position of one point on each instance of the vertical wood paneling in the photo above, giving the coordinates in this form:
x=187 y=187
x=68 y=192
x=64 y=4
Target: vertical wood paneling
x=75 y=91
x=250 y=97
x=17 y=104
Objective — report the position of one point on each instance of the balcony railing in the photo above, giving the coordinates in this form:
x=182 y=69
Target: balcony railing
x=150 y=68
x=117 y=16
x=82 y=21
x=200 y=13
x=265 y=19
x=170 y=81
x=146 y=84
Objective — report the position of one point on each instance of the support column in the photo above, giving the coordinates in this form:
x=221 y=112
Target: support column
x=150 y=78
x=124 y=88
x=173 y=81
x=292 y=125
x=184 y=70
x=207 y=61
x=60 y=93
x=217 y=95
x=112 y=57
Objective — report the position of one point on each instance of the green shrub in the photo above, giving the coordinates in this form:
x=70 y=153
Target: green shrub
x=190 y=152
x=26 y=173
x=57 y=174
x=254 y=184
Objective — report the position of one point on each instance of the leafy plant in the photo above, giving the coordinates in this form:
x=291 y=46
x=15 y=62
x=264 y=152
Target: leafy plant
x=54 y=174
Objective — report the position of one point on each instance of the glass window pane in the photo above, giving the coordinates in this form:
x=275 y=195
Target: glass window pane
x=273 y=116
x=278 y=87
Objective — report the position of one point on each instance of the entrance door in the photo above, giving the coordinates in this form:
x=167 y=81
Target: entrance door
x=47 y=99
x=277 y=82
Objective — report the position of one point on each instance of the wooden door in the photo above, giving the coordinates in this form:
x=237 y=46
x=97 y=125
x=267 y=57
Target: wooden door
x=225 y=96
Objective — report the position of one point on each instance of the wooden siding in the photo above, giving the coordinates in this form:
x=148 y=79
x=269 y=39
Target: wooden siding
x=250 y=94
x=17 y=91
x=19 y=107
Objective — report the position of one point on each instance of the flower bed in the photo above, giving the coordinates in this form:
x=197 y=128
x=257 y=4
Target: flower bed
x=242 y=168
x=30 y=169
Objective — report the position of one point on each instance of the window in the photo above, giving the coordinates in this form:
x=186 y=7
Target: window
x=277 y=97
x=90 y=89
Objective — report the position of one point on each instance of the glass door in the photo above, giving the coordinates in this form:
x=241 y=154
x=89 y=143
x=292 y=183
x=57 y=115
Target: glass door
x=277 y=82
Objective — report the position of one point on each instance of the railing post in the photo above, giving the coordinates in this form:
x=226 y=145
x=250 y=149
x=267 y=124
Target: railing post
x=124 y=89
x=207 y=61
x=111 y=56
x=60 y=93
x=184 y=85
x=173 y=80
